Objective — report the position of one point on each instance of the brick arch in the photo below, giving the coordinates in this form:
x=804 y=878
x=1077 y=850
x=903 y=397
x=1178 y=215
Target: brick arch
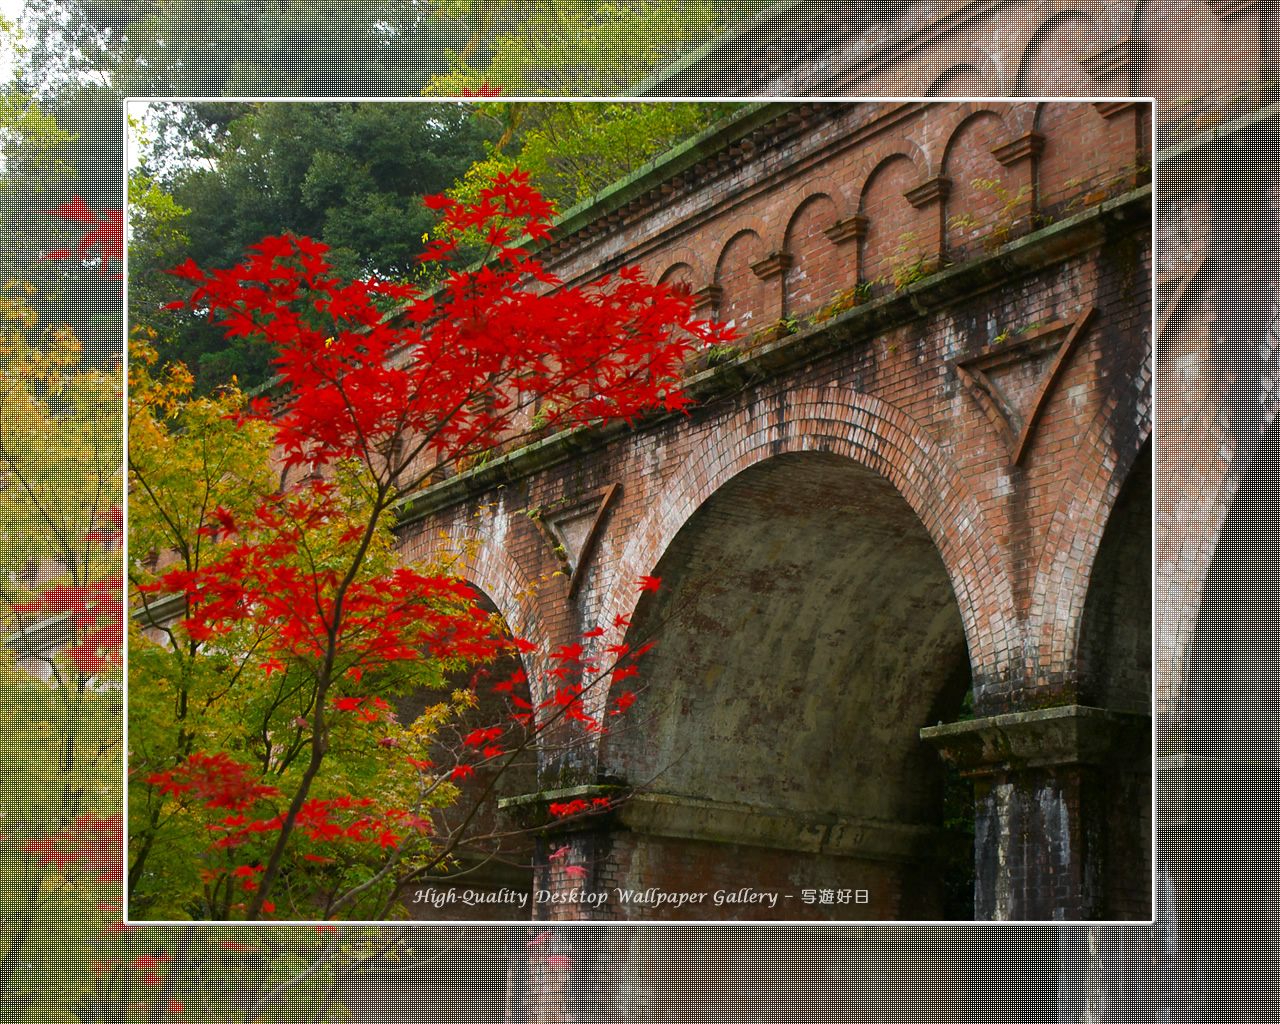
x=1177 y=302
x=1183 y=563
x=891 y=218
x=818 y=269
x=742 y=298
x=1192 y=518
x=966 y=75
x=984 y=208
x=879 y=436
x=769 y=238
x=690 y=258
x=881 y=154
x=1057 y=172
x=1031 y=80
x=676 y=269
x=1059 y=595
x=957 y=57
x=1013 y=119
x=488 y=564
x=832 y=188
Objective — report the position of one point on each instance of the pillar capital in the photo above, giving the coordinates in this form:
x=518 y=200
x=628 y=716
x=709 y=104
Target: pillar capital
x=1073 y=734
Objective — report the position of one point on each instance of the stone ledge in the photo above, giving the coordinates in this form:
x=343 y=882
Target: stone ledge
x=42 y=638
x=159 y=611
x=684 y=817
x=533 y=810
x=1068 y=735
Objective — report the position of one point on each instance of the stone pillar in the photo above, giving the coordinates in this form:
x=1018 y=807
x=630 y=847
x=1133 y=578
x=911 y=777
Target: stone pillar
x=560 y=976
x=1041 y=783
x=572 y=856
x=1019 y=157
x=775 y=266
x=851 y=229
x=931 y=198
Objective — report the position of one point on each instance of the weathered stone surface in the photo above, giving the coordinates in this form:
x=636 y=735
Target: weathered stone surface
x=847 y=543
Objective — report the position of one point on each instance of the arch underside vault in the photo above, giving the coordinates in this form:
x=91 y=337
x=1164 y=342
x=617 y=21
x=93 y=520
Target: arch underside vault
x=1225 y=747
x=806 y=631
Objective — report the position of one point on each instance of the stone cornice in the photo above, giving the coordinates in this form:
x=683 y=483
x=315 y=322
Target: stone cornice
x=1115 y=109
x=936 y=188
x=1025 y=147
x=159 y=610
x=686 y=817
x=1052 y=737
x=42 y=637
x=1108 y=61
x=773 y=265
x=851 y=228
x=707 y=296
x=1224 y=9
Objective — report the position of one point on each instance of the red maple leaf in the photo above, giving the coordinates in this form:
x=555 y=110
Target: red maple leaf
x=75 y=210
x=483 y=90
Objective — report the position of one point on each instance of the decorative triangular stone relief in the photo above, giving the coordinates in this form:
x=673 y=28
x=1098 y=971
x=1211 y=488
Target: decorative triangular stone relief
x=573 y=528
x=991 y=377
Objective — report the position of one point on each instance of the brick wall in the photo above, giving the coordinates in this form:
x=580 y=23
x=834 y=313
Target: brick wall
x=995 y=406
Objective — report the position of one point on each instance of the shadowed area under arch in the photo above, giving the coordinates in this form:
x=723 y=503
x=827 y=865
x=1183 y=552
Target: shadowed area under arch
x=807 y=630
x=1224 y=753
x=490 y=855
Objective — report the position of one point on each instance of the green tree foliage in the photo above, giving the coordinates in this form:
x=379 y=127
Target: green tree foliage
x=156 y=239
x=348 y=174
x=555 y=49
x=60 y=680
x=82 y=58
x=45 y=152
x=574 y=150
x=261 y=47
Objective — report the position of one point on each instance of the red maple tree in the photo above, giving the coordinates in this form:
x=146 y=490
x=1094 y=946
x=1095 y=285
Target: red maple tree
x=400 y=382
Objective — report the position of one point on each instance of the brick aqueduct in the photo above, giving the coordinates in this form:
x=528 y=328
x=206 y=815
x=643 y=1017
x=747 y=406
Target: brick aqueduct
x=926 y=477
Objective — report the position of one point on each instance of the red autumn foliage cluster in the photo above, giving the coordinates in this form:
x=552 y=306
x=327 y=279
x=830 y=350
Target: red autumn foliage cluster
x=449 y=372
x=370 y=621
x=96 y=615
x=215 y=780
x=88 y=846
x=106 y=235
x=401 y=379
